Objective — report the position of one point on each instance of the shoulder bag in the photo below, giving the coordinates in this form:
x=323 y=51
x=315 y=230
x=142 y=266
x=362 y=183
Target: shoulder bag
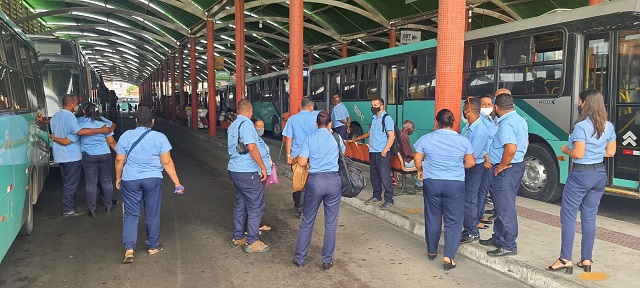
x=351 y=176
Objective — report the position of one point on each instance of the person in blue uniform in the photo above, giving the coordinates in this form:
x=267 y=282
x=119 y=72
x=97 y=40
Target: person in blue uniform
x=506 y=153
x=593 y=138
x=141 y=156
x=478 y=135
x=486 y=110
x=68 y=155
x=380 y=161
x=262 y=146
x=298 y=127
x=340 y=118
x=247 y=172
x=324 y=185
x=441 y=157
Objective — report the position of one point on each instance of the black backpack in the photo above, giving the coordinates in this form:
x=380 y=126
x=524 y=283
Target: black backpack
x=395 y=147
x=350 y=175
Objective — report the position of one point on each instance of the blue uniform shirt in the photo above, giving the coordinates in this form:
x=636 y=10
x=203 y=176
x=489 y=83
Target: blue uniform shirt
x=264 y=154
x=322 y=151
x=95 y=144
x=444 y=152
x=594 y=148
x=299 y=127
x=377 y=137
x=478 y=135
x=249 y=135
x=338 y=113
x=144 y=160
x=512 y=129
x=65 y=125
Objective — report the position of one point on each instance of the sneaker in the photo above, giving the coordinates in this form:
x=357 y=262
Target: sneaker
x=72 y=213
x=327 y=266
x=372 y=201
x=156 y=250
x=239 y=242
x=386 y=205
x=128 y=257
x=466 y=238
x=257 y=247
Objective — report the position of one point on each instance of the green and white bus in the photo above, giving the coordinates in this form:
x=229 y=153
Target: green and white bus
x=545 y=61
x=24 y=146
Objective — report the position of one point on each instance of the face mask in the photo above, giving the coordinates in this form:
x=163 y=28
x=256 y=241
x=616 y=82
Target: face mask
x=410 y=131
x=260 y=132
x=75 y=109
x=375 y=110
x=464 y=120
x=486 y=111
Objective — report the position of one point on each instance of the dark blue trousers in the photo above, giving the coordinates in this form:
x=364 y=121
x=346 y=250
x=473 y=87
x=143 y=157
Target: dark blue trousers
x=322 y=187
x=70 y=173
x=484 y=191
x=380 y=174
x=342 y=131
x=443 y=197
x=504 y=189
x=583 y=191
x=249 y=205
x=97 y=168
x=472 y=182
x=135 y=193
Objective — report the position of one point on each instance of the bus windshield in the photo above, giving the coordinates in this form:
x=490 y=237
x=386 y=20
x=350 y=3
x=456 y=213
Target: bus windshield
x=59 y=79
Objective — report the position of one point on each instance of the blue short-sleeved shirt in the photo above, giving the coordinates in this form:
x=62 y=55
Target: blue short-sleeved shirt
x=144 y=160
x=377 y=137
x=322 y=151
x=338 y=113
x=249 y=135
x=594 y=148
x=512 y=129
x=94 y=144
x=444 y=152
x=264 y=154
x=65 y=125
x=300 y=126
x=478 y=135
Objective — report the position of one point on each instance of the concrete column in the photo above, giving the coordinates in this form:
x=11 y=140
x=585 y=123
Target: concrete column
x=194 y=83
x=344 y=50
x=392 y=37
x=181 y=111
x=167 y=111
x=211 y=80
x=296 y=60
x=240 y=58
x=172 y=87
x=449 y=57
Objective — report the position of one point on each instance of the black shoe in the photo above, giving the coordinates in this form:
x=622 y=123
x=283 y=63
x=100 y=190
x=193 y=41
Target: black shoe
x=297 y=264
x=108 y=210
x=115 y=202
x=72 y=213
x=431 y=256
x=92 y=214
x=501 y=252
x=493 y=217
x=372 y=201
x=466 y=238
x=489 y=242
x=327 y=266
x=386 y=205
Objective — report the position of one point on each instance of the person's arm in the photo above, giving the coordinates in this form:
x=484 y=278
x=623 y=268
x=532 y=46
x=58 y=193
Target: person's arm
x=111 y=142
x=61 y=141
x=610 y=150
x=167 y=163
x=119 y=165
x=579 y=148
x=89 y=131
x=391 y=137
x=469 y=161
x=255 y=154
x=417 y=159
x=363 y=136
x=302 y=161
x=507 y=155
x=287 y=143
x=487 y=162
x=348 y=124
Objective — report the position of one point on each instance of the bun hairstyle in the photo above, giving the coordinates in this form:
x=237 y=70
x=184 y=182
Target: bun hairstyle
x=445 y=118
x=91 y=112
x=323 y=119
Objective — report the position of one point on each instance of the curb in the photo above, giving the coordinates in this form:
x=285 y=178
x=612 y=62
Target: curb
x=521 y=271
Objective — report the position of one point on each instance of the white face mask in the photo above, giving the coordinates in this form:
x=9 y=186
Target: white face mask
x=464 y=120
x=486 y=111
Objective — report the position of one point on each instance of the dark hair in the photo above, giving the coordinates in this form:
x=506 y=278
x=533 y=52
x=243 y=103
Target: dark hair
x=307 y=102
x=244 y=106
x=472 y=104
x=445 y=118
x=91 y=112
x=380 y=100
x=504 y=101
x=323 y=119
x=144 y=117
x=68 y=99
x=486 y=96
x=594 y=109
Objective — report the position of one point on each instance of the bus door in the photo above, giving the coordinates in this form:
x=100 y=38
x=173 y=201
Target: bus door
x=393 y=90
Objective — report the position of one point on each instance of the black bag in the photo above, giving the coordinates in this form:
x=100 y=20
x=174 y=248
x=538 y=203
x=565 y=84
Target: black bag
x=395 y=147
x=240 y=147
x=352 y=180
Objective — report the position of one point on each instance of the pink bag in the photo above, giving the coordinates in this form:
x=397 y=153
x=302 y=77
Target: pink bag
x=273 y=178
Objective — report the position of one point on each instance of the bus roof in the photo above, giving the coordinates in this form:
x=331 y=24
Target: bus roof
x=15 y=28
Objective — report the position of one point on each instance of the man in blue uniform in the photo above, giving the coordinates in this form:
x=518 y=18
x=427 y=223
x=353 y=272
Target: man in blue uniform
x=298 y=127
x=478 y=135
x=65 y=125
x=247 y=172
x=379 y=145
x=506 y=154
x=340 y=118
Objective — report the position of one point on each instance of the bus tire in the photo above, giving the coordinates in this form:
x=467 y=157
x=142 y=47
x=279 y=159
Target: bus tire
x=276 y=127
x=541 y=179
x=27 y=215
x=356 y=131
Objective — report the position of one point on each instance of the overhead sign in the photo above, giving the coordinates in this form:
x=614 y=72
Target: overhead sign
x=407 y=37
x=629 y=139
x=223 y=76
x=219 y=63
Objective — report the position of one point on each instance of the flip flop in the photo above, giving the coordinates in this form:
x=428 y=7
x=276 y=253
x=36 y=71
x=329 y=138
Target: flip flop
x=483 y=226
x=265 y=228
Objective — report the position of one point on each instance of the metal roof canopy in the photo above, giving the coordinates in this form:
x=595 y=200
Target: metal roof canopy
x=152 y=29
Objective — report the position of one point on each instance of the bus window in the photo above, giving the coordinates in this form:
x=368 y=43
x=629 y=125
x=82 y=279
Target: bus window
x=24 y=60
x=516 y=51
x=422 y=77
x=31 y=93
x=5 y=101
x=629 y=63
x=350 y=88
x=334 y=84
x=316 y=83
x=368 y=86
x=17 y=90
x=597 y=64
x=418 y=65
x=479 y=56
x=10 y=53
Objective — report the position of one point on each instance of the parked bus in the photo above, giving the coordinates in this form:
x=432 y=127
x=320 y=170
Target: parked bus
x=24 y=148
x=545 y=61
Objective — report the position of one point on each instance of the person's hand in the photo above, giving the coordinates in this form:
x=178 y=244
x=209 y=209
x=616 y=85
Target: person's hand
x=500 y=168
x=565 y=149
x=420 y=175
x=105 y=129
x=350 y=141
x=179 y=189
x=39 y=117
x=348 y=129
x=263 y=175
x=384 y=153
x=487 y=165
x=289 y=159
x=118 y=182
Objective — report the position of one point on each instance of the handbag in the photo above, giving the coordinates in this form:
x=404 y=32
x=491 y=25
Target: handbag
x=350 y=175
x=300 y=175
x=240 y=147
x=273 y=178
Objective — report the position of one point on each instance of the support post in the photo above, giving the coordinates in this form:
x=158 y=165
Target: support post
x=167 y=111
x=392 y=37
x=211 y=80
x=240 y=58
x=172 y=87
x=296 y=52
x=181 y=81
x=194 y=83
x=344 y=50
x=310 y=60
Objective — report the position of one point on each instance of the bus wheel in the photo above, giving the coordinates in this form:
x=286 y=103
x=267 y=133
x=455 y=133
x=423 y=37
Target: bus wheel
x=355 y=132
x=276 y=128
x=540 y=180
x=27 y=214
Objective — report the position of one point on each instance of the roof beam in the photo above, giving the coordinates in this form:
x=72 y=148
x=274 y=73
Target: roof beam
x=506 y=8
x=96 y=3
x=493 y=14
x=329 y=33
x=109 y=27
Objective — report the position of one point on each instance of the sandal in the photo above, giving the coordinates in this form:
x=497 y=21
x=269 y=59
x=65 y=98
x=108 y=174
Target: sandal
x=128 y=257
x=587 y=268
x=567 y=269
x=449 y=265
x=483 y=226
x=265 y=228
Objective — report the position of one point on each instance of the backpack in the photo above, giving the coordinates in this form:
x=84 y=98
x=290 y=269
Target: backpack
x=395 y=147
x=350 y=175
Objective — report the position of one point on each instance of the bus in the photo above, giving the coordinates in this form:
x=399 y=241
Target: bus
x=24 y=148
x=545 y=61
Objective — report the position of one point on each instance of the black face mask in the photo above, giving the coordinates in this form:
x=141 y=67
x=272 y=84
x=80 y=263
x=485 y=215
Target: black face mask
x=409 y=131
x=375 y=110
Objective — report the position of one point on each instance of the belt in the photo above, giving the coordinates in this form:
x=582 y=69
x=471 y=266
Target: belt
x=587 y=167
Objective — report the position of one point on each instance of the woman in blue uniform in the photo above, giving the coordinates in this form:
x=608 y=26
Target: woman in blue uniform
x=446 y=154
x=324 y=185
x=593 y=138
